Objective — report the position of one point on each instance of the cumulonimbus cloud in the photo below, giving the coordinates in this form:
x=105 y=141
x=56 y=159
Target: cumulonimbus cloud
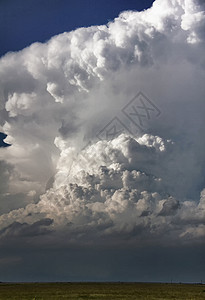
x=57 y=97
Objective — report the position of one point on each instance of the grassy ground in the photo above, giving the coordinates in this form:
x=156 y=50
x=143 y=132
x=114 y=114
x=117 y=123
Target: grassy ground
x=98 y=291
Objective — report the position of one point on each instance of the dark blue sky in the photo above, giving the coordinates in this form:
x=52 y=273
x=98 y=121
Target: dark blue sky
x=2 y=137
x=23 y=22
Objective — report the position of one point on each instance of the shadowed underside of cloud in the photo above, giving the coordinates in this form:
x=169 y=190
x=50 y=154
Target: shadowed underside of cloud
x=144 y=186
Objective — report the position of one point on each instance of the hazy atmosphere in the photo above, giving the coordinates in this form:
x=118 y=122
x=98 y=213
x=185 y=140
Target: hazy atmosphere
x=102 y=164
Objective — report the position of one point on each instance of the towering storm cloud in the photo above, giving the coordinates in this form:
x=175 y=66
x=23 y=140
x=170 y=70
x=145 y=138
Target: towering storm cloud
x=106 y=126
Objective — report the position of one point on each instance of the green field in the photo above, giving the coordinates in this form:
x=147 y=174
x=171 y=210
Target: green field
x=98 y=291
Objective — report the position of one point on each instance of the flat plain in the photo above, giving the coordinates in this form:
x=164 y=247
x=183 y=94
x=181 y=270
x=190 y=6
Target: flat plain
x=98 y=291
